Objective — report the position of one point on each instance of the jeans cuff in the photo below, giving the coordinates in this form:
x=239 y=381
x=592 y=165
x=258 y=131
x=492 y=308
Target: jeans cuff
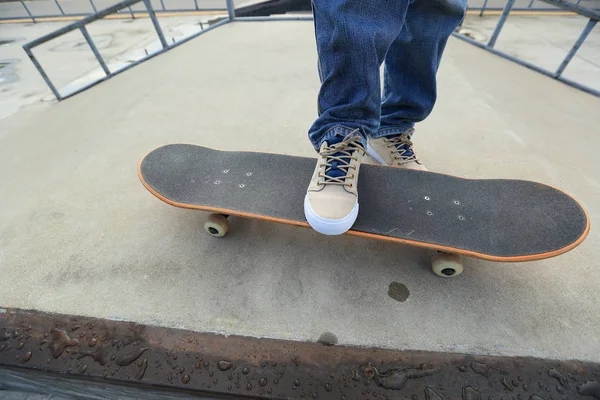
x=341 y=130
x=393 y=130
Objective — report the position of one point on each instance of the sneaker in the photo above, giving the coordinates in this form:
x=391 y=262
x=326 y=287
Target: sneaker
x=396 y=151
x=331 y=202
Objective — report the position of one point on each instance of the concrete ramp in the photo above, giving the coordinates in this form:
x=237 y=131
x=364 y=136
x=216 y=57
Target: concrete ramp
x=80 y=235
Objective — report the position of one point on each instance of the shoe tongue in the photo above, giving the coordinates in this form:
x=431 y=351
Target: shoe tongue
x=334 y=171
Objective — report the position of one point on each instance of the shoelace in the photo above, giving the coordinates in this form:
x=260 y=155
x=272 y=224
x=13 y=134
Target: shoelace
x=338 y=158
x=402 y=147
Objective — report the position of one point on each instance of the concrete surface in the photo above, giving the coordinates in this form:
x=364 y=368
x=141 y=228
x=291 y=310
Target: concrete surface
x=544 y=41
x=80 y=235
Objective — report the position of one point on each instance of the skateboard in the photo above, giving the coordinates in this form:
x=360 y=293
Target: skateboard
x=494 y=219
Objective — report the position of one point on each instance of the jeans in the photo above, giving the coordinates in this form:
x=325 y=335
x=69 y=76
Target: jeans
x=354 y=38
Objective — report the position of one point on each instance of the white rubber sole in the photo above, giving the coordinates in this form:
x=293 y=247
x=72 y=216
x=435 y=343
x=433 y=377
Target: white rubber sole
x=329 y=226
x=375 y=155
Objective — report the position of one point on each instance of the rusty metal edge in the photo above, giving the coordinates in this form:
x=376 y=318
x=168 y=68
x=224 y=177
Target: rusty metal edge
x=152 y=357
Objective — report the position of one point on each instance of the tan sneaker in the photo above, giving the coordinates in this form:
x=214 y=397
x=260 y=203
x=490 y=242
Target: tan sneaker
x=331 y=202
x=396 y=151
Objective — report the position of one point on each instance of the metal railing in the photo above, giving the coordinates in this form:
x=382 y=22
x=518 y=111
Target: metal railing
x=231 y=16
x=55 y=9
x=593 y=16
x=108 y=73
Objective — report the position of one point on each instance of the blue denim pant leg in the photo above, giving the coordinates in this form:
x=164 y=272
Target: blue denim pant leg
x=411 y=64
x=352 y=38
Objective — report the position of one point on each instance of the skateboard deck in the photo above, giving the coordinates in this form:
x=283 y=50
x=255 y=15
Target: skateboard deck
x=494 y=219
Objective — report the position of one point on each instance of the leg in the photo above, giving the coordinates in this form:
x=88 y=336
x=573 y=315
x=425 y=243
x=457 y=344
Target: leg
x=412 y=63
x=352 y=40
x=409 y=90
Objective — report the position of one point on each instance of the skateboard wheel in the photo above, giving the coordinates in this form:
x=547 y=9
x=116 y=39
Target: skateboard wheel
x=446 y=265
x=216 y=225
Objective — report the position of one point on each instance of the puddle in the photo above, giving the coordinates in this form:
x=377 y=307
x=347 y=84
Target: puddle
x=398 y=292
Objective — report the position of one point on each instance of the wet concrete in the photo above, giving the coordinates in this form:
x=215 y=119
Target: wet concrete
x=212 y=365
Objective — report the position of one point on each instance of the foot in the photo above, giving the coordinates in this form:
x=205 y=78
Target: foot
x=396 y=151
x=331 y=202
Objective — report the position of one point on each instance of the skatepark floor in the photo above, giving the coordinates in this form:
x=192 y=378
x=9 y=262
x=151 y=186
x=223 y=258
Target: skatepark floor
x=80 y=235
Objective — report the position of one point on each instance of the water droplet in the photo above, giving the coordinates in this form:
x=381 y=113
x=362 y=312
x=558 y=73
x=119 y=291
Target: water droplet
x=142 y=370
x=249 y=386
x=427 y=198
x=249 y=174
x=461 y=217
x=217 y=182
x=297 y=382
x=20 y=345
x=185 y=379
x=456 y=202
x=315 y=395
x=328 y=387
x=269 y=391
x=276 y=381
x=344 y=398
x=131 y=357
x=398 y=292
x=470 y=394
x=26 y=357
x=225 y=171
x=429 y=213
x=83 y=369
x=229 y=387
x=174 y=356
x=93 y=342
x=462 y=368
x=241 y=185
x=210 y=373
x=181 y=370
x=59 y=341
x=224 y=365
x=479 y=368
x=262 y=381
x=245 y=371
x=197 y=365
x=206 y=364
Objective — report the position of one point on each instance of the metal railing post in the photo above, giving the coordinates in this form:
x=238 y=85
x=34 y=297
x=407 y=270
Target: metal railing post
x=501 y=21
x=28 y=12
x=42 y=73
x=59 y=7
x=88 y=38
x=586 y=31
x=230 y=10
x=93 y=6
x=483 y=7
x=157 y=27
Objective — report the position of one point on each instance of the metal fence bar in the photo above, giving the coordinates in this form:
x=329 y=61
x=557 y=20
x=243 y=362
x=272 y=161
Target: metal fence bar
x=566 y=5
x=93 y=5
x=43 y=74
x=196 y=4
x=75 y=25
x=501 y=21
x=162 y=4
x=131 y=13
x=483 y=7
x=530 y=4
x=157 y=27
x=90 y=41
x=137 y=62
x=533 y=67
x=230 y=10
x=62 y=12
x=262 y=19
x=28 y=12
x=584 y=34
